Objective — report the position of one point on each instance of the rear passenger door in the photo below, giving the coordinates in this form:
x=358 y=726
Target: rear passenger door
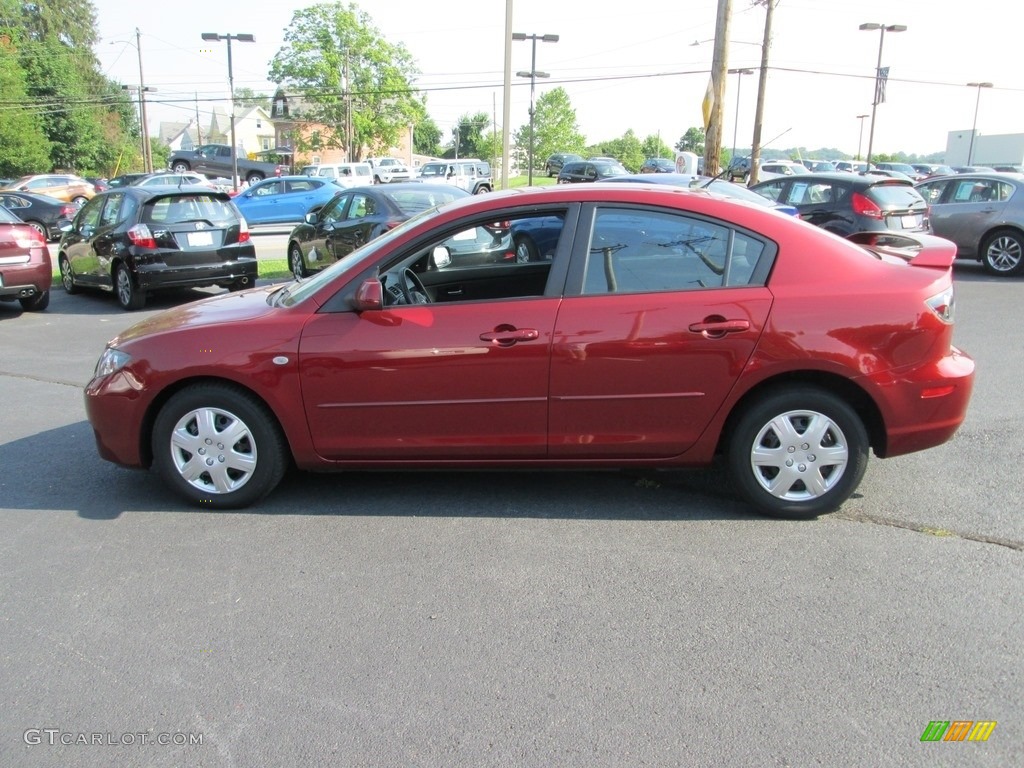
x=662 y=312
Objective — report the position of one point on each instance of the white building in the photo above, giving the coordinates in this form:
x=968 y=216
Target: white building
x=1004 y=149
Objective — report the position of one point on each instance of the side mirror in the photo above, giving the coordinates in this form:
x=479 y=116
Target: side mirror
x=441 y=256
x=312 y=218
x=370 y=295
x=64 y=225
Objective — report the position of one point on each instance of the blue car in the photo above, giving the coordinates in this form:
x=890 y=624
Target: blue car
x=284 y=198
x=718 y=186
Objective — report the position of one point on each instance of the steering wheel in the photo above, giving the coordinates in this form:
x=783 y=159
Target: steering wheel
x=413 y=288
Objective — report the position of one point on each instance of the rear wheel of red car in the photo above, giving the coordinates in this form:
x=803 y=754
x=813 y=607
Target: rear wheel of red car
x=1002 y=253
x=798 y=453
x=128 y=295
x=36 y=303
x=218 y=446
x=67 y=277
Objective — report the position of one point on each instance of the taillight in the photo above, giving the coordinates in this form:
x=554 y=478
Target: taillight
x=943 y=304
x=68 y=212
x=498 y=228
x=28 y=238
x=243 y=231
x=141 y=236
x=865 y=206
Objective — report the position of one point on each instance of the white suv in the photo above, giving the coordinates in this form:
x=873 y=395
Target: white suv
x=469 y=174
x=346 y=174
x=388 y=169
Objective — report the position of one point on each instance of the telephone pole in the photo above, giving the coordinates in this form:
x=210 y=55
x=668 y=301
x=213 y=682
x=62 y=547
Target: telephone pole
x=762 y=82
x=719 y=65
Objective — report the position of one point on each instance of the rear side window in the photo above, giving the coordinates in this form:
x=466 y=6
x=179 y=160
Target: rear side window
x=176 y=210
x=644 y=251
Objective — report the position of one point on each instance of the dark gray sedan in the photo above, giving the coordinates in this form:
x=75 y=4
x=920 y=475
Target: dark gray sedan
x=983 y=213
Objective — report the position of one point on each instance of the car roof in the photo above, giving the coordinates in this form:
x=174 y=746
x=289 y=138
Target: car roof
x=853 y=179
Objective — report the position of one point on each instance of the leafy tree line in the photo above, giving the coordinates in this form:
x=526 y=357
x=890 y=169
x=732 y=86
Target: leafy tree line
x=57 y=110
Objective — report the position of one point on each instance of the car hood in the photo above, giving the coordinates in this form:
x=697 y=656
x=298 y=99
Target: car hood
x=225 y=308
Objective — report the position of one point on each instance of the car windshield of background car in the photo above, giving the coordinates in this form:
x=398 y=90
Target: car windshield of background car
x=299 y=291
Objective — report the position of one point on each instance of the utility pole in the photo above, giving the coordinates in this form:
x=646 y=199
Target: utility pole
x=762 y=82
x=199 y=126
x=147 y=150
x=719 y=65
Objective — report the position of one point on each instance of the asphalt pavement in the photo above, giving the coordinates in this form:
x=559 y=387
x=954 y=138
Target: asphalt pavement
x=503 y=619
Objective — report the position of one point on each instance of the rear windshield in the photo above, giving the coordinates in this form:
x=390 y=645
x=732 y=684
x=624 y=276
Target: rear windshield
x=182 y=208
x=7 y=217
x=895 y=195
x=411 y=202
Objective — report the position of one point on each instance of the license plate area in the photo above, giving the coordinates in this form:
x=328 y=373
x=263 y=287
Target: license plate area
x=205 y=239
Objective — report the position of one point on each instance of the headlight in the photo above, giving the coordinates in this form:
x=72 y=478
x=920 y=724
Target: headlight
x=111 y=361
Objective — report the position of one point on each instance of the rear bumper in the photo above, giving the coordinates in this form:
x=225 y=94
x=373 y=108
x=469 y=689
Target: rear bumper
x=926 y=406
x=152 y=275
x=24 y=281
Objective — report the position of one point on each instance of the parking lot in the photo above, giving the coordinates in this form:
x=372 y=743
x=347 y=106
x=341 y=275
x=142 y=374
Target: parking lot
x=514 y=619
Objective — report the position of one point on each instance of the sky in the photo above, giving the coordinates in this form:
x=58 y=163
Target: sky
x=627 y=65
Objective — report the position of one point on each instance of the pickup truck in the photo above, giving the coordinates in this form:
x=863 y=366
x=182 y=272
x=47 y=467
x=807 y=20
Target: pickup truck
x=388 y=169
x=215 y=160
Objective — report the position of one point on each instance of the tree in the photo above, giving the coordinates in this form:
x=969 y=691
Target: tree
x=426 y=138
x=85 y=117
x=555 y=128
x=627 y=150
x=325 y=41
x=653 y=146
x=247 y=97
x=692 y=141
x=25 y=146
x=467 y=134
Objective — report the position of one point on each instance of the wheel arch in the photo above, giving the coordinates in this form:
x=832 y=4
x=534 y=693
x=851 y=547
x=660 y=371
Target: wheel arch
x=854 y=395
x=1002 y=226
x=149 y=420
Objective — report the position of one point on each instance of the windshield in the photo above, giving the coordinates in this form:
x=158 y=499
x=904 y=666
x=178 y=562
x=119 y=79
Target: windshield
x=433 y=170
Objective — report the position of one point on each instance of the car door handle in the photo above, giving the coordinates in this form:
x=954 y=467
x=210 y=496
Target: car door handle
x=715 y=328
x=507 y=335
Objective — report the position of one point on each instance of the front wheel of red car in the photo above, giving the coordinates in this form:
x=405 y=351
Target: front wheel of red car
x=798 y=453
x=218 y=446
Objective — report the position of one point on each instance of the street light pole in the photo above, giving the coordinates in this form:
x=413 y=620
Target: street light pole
x=533 y=74
x=739 y=81
x=882 y=28
x=974 y=125
x=860 y=138
x=242 y=38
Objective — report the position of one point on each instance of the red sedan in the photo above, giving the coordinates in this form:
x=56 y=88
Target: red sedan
x=659 y=328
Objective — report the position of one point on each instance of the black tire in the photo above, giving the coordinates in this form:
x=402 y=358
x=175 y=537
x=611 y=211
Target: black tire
x=254 y=177
x=39 y=227
x=79 y=200
x=129 y=295
x=483 y=189
x=811 y=477
x=1002 y=253
x=67 y=277
x=376 y=179
x=188 y=436
x=36 y=303
x=526 y=251
x=296 y=262
x=180 y=166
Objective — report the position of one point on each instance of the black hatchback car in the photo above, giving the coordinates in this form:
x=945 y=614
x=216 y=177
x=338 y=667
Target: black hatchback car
x=133 y=240
x=845 y=203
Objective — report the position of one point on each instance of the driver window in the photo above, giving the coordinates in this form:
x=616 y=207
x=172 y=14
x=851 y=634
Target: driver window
x=495 y=260
x=333 y=211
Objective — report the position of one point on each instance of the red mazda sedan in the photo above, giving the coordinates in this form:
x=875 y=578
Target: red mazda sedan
x=657 y=327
